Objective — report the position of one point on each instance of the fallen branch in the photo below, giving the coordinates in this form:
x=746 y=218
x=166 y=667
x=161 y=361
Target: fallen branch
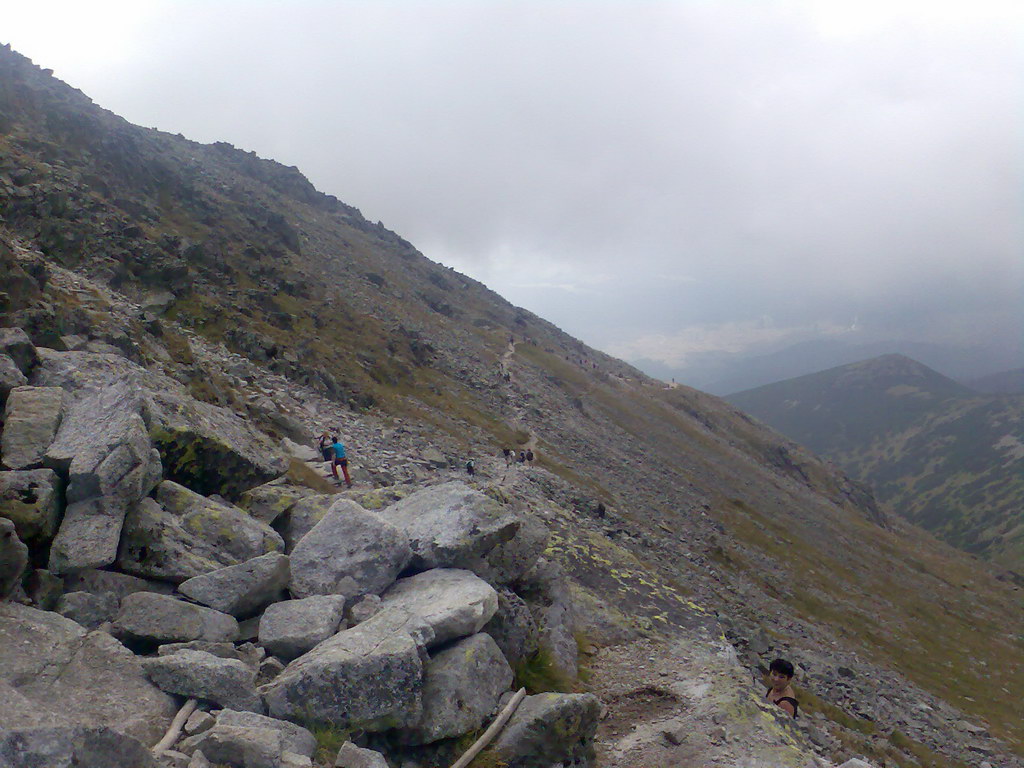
x=491 y=731
x=176 y=725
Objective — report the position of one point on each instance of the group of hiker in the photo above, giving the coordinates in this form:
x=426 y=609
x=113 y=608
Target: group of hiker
x=511 y=457
x=333 y=451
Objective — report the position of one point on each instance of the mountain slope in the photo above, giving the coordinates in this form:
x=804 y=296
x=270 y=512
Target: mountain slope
x=945 y=457
x=673 y=512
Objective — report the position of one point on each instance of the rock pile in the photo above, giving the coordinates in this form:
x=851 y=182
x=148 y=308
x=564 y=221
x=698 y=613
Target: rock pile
x=281 y=611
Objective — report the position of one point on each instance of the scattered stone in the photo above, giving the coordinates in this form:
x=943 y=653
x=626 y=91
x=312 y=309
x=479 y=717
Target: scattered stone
x=366 y=607
x=461 y=687
x=550 y=728
x=88 y=609
x=13 y=558
x=453 y=526
x=368 y=677
x=241 y=590
x=295 y=738
x=153 y=619
x=291 y=628
x=31 y=499
x=44 y=588
x=198 y=722
x=855 y=763
x=239 y=747
x=270 y=668
x=199 y=760
x=513 y=627
x=10 y=377
x=15 y=344
x=183 y=534
x=227 y=682
x=351 y=756
x=453 y=602
x=32 y=417
x=172 y=758
x=269 y=501
x=350 y=552
x=249 y=629
x=223 y=650
x=78 y=745
x=60 y=674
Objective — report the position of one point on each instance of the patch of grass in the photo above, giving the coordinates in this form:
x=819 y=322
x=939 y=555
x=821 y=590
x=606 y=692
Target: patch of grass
x=329 y=739
x=538 y=674
x=810 y=702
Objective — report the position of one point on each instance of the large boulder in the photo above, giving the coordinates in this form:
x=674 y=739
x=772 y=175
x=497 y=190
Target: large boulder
x=368 y=677
x=151 y=619
x=32 y=416
x=453 y=526
x=548 y=729
x=269 y=501
x=120 y=585
x=461 y=687
x=241 y=590
x=302 y=517
x=31 y=499
x=13 y=557
x=102 y=447
x=545 y=589
x=293 y=627
x=350 y=552
x=16 y=344
x=88 y=609
x=351 y=756
x=62 y=674
x=203 y=446
x=183 y=534
x=292 y=738
x=513 y=627
x=10 y=377
x=452 y=602
x=71 y=747
x=227 y=682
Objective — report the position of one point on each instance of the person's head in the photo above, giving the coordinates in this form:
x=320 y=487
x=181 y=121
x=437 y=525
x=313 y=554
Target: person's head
x=780 y=673
x=334 y=438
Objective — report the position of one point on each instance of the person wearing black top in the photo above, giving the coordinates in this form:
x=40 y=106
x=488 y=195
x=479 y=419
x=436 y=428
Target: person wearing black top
x=780 y=691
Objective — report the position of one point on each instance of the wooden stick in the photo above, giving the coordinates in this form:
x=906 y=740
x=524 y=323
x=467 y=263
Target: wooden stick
x=176 y=725
x=491 y=731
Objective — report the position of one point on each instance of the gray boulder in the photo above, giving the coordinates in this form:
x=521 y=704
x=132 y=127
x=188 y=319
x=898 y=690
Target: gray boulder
x=31 y=499
x=183 y=534
x=452 y=602
x=294 y=738
x=32 y=416
x=43 y=588
x=269 y=501
x=16 y=344
x=350 y=552
x=120 y=585
x=13 y=557
x=227 y=682
x=546 y=591
x=203 y=446
x=351 y=756
x=241 y=590
x=548 y=729
x=461 y=688
x=88 y=609
x=149 y=618
x=291 y=628
x=367 y=677
x=513 y=627
x=453 y=526
x=64 y=675
x=302 y=517
x=71 y=747
x=103 y=448
x=10 y=377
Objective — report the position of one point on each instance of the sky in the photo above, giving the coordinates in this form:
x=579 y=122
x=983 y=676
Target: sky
x=672 y=182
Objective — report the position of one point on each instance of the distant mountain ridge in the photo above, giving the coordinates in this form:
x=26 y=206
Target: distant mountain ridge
x=944 y=456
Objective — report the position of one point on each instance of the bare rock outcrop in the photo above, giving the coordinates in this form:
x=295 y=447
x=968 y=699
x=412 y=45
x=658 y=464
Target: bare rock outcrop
x=241 y=590
x=227 y=682
x=32 y=416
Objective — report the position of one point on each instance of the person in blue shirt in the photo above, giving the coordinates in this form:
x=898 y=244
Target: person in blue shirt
x=338 y=460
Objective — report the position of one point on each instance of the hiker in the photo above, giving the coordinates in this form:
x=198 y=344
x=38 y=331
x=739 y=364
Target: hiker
x=507 y=453
x=529 y=456
x=522 y=457
x=324 y=445
x=780 y=691
x=470 y=468
x=339 y=460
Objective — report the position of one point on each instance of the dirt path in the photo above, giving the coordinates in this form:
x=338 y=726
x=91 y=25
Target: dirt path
x=686 y=705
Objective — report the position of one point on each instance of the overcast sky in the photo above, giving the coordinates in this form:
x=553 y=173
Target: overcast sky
x=660 y=179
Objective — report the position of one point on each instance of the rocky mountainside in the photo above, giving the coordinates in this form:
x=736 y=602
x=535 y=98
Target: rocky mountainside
x=1006 y=382
x=948 y=458
x=184 y=319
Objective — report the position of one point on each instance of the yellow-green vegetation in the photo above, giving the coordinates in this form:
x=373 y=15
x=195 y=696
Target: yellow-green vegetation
x=539 y=674
x=300 y=473
x=329 y=739
x=810 y=702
